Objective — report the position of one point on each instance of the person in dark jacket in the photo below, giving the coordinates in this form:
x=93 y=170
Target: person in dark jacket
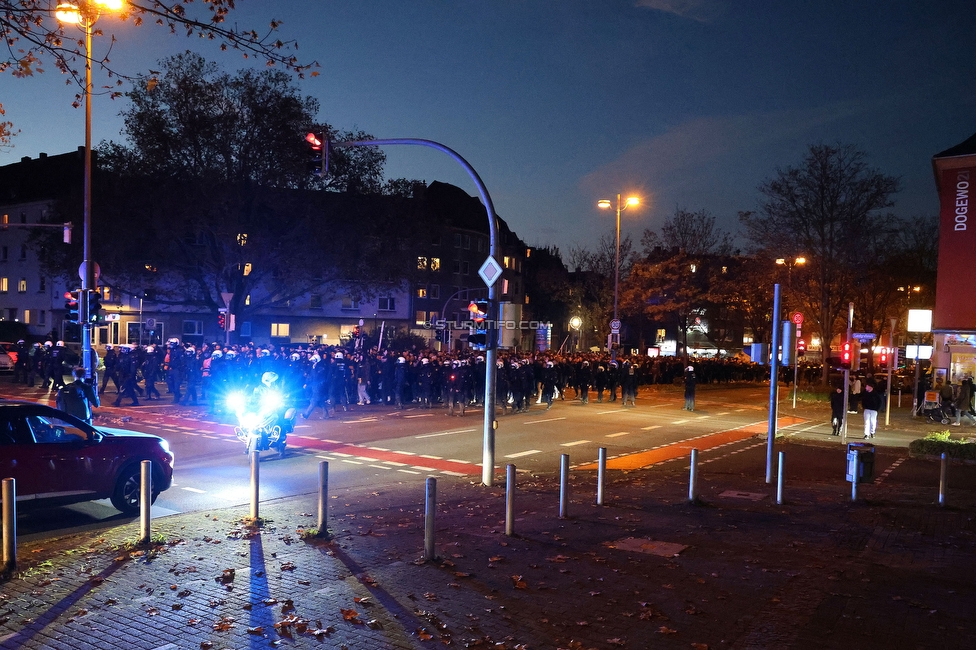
x=78 y=397
x=690 y=381
x=837 y=410
x=870 y=404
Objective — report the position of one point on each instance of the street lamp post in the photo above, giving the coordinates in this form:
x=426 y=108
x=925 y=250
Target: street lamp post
x=604 y=204
x=919 y=322
x=86 y=14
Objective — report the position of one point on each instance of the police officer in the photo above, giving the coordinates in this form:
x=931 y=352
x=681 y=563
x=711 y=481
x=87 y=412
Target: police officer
x=111 y=358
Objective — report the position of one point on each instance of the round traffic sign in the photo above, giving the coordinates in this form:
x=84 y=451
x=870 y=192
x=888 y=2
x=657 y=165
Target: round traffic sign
x=615 y=324
x=797 y=318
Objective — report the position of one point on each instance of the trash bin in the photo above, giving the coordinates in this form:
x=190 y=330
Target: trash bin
x=861 y=454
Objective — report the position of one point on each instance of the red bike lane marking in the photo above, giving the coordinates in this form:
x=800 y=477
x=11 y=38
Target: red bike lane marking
x=682 y=448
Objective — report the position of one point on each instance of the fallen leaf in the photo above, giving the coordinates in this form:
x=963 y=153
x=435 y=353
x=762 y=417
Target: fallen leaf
x=350 y=615
x=664 y=629
x=257 y=631
x=206 y=645
x=518 y=582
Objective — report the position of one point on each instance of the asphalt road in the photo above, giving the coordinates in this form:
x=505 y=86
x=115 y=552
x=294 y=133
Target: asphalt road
x=380 y=446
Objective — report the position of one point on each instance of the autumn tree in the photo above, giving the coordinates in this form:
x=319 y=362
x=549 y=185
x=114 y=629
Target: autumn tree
x=694 y=233
x=828 y=209
x=213 y=171
x=33 y=35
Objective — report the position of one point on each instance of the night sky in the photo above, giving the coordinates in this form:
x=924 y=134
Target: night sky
x=558 y=103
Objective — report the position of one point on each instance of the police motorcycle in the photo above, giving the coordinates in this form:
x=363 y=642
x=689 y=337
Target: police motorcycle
x=264 y=419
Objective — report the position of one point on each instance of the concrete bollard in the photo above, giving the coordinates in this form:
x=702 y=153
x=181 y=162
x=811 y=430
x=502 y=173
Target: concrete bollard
x=323 y=519
x=510 y=500
x=601 y=475
x=8 y=492
x=943 y=479
x=693 y=477
x=430 y=505
x=145 y=500
x=564 y=486
x=255 y=483
x=779 y=478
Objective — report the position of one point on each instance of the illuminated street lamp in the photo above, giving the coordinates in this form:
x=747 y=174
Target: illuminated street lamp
x=919 y=322
x=604 y=204
x=85 y=14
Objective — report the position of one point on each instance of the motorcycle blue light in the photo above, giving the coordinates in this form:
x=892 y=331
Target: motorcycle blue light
x=271 y=401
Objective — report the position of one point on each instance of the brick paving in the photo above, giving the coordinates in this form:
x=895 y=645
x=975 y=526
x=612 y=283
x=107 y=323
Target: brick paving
x=893 y=570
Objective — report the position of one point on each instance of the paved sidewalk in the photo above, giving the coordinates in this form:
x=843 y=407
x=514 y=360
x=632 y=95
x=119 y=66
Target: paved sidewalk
x=646 y=570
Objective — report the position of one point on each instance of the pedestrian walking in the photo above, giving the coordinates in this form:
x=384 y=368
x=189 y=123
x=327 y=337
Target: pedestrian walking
x=870 y=404
x=78 y=397
x=690 y=380
x=837 y=410
x=962 y=402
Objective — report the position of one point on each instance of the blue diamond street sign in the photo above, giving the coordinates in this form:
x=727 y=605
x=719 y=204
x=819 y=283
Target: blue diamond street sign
x=490 y=271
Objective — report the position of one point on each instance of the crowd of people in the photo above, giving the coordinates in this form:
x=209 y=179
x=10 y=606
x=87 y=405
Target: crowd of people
x=330 y=378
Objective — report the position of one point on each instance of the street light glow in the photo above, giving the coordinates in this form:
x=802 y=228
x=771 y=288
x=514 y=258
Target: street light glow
x=603 y=204
x=632 y=201
x=68 y=14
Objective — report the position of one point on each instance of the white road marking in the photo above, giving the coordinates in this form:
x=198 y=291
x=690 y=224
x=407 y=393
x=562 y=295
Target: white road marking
x=444 y=433
x=368 y=459
x=617 y=435
x=541 y=421
x=424 y=469
x=352 y=462
x=394 y=463
x=194 y=490
x=573 y=444
x=524 y=453
x=679 y=421
x=422 y=415
x=381 y=467
x=377 y=448
x=653 y=426
x=407 y=471
x=430 y=457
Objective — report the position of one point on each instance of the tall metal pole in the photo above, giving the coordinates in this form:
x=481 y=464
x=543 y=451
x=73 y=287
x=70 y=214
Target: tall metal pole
x=491 y=352
x=88 y=276
x=892 y=360
x=616 y=277
x=847 y=371
x=773 y=386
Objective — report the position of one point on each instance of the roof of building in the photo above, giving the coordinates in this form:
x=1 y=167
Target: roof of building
x=966 y=148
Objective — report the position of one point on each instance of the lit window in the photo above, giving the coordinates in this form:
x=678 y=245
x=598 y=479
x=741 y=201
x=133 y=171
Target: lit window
x=27 y=316
x=280 y=329
x=3 y=285
x=420 y=317
x=22 y=286
x=247 y=268
x=422 y=263
x=242 y=239
x=505 y=261
x=694 y=268
x=421 y=292
x=725 y=269
x=435 y=264
x=504 y=285
x=247 y=299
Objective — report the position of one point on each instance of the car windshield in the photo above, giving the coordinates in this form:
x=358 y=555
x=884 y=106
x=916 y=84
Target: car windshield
x=48 y=429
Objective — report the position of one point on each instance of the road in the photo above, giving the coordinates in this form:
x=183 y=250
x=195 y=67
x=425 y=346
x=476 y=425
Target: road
x=382 y=447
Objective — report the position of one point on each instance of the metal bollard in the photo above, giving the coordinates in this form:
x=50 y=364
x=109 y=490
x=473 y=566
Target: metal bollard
x=857 y=475
x=601 y=475
x=779 y=478
x=323 y=498
x=8 y=492
x=564 y=486
x=510 y=499
x=429 y=506
x=693 y=477
x=255 y=481
x=943 y=479
x=145 y=500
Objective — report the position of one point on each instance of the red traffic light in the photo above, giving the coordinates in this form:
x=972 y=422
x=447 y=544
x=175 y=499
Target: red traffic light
x=846 y=355
x=313 y=140
x=222 y=320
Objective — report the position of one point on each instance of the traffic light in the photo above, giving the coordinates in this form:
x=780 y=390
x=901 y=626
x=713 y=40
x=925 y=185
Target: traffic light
x=222 y=321
x=801 y=348
x=72 y=304
x=478 y=337
x=846 y=355
x=318 y=157
x=883 y=358
x=94 y=305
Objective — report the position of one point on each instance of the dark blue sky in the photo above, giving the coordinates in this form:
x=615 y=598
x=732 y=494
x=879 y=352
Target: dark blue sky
x=558 y=103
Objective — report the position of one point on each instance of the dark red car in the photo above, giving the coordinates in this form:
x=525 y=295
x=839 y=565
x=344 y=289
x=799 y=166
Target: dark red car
x=57 y=459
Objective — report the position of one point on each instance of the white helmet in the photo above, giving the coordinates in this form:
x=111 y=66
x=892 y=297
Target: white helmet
x=48 y=344
x=338 y=355
x=401 y=360
x=216 y=354
x=269 y=378
x=59 y=344
x=424 y=361
x=295 y=356
x=315 y=358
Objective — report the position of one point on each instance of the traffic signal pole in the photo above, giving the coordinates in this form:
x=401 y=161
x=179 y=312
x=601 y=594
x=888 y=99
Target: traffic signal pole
x=847 y=369
x=491 y=351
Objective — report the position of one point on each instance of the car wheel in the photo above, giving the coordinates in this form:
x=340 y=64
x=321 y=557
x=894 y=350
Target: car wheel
x=128 y=489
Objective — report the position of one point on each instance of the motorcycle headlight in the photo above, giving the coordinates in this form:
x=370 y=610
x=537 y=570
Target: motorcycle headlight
x=250 y=420
x=236 y=401
x=271 y=401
